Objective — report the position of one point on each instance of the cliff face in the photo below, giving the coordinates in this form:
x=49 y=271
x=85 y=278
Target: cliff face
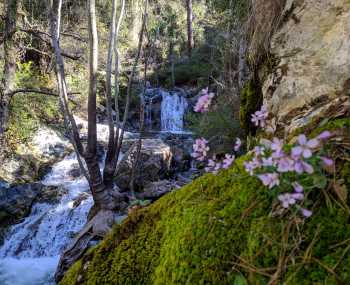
x=312 y=49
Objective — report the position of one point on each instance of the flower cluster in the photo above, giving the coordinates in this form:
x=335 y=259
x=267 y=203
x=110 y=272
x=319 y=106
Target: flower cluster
x=277 y=164
x=204 y=101
x=200 y=149
x=200 y=153
x=259 y=117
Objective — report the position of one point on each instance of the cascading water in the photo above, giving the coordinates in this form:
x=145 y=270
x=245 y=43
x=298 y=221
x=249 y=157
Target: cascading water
x=173 y=109
x=33 y=246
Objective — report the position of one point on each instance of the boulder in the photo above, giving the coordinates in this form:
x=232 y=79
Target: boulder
x=312 y=51
x=16 y=202
x=154 y=164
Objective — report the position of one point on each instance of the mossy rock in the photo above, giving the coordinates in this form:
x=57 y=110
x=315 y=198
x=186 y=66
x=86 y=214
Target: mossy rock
x=219 y=230
x=251 y=99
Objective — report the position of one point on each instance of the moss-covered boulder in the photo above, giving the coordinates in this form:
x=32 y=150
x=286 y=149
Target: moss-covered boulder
x=220 y=230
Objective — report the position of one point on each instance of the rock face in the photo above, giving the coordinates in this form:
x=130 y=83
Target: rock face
x=312 y=49
x=154 y=164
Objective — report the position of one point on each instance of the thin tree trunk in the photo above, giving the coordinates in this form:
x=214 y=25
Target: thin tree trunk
x=131 y=79
x=8 y=81
x=55 y=23
x=110 y=162
x=190 y=41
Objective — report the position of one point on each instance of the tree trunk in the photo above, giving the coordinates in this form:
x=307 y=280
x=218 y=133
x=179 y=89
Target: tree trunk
x=8 y=81
x=190 y=41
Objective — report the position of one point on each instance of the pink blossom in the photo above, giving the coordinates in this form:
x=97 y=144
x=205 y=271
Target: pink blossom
x=268 y=161
x=327 y=161
x=298 y=196
x=227 y=162
x=211 y=164
x=259 y=117
x=277 y=147
x=259 y=150
x=250 y=166
x=204 y=101
x=200 y=149
x=301 y=166
x=269 y=179
x=287 y=200
x=238 y=144
x=297 y=187
x=285 y=164
x=305 y=147
x=324 y=135
x=306 y=213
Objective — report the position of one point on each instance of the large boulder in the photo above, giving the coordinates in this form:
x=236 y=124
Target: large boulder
x=154 y=164
x=312 y=50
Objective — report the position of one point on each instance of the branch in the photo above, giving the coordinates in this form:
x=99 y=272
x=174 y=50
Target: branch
x=45 y=92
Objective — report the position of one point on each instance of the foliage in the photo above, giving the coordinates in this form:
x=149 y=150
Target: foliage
x=218 y=125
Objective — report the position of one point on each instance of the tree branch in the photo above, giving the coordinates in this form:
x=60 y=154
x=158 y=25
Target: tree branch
x=45 y=92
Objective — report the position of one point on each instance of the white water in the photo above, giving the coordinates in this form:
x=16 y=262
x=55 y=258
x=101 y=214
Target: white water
x=30 y=254
x=173 y=109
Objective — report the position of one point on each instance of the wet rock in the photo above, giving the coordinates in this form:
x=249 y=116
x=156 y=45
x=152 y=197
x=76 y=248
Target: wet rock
x=154 y=190
x=16 y=202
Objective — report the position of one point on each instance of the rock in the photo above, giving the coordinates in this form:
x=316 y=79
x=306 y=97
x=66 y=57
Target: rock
x=155 y=190
x=16 y=202
x=313 y=52
x=32 y=159
x=154 y=164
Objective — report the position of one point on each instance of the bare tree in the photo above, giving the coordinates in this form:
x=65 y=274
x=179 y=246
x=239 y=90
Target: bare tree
x=190 y=41
x=8 y=81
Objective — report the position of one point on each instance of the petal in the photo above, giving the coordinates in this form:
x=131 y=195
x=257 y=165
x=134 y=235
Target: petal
x=307 y=153
x=313 y=143
x=302 y=139
x=297 y=151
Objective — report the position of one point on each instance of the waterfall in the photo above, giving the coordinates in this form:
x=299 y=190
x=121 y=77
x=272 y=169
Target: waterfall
x=33 y=246
x=173 y=109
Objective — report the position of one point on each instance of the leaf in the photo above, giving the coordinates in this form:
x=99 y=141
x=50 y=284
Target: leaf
x=240 y=280
x=340 y=190
x=320 y=181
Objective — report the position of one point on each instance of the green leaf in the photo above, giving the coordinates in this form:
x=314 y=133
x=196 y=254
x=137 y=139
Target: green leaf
x=240 y=280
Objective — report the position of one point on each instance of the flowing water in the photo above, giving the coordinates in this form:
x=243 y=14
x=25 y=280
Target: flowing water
x=173 y=109
x=30 y=254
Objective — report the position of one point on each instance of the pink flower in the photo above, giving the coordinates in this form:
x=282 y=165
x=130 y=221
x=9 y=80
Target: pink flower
x=200 y=149
x=269 y=179
x=227 y=162
x=287 y=200
x=285 y=164
x=306 y=213
x=298 y=196
x=324 y=135
x=204 y=101
x=268 y=162
x=238 y=144
x=305 y=147
x=277 y=147
x=250 y=166
x=297 y=187
x=259 y=117
x=302 y=166
x=259 y=150
x=327 y=161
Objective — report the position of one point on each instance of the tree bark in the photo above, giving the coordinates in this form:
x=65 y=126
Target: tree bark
x=190 y=41
x=8 y=81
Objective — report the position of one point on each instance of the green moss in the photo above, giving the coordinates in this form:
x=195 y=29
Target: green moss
x=73 y=274
x=218 y=230
x=251 y=99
